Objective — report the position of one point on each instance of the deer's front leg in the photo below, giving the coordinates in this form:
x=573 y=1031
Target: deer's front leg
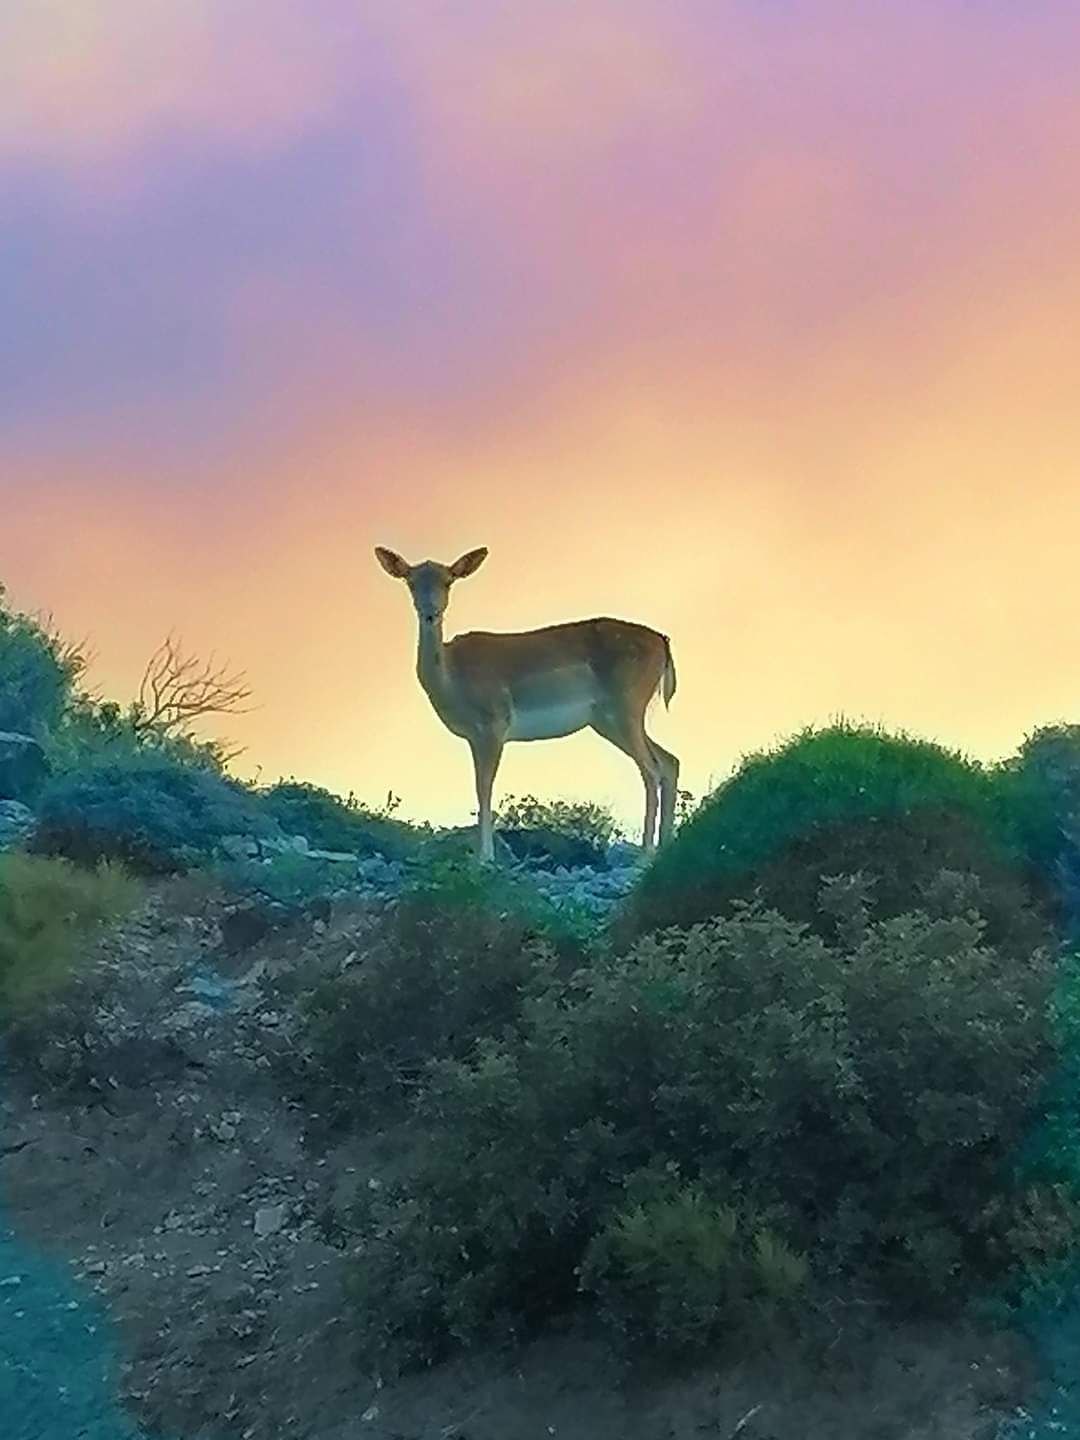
x=486 y=752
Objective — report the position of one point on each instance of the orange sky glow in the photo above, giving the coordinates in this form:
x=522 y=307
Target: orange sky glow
x=753 y=322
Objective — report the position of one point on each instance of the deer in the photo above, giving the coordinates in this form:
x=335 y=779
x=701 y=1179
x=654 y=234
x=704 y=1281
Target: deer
x=489 y=688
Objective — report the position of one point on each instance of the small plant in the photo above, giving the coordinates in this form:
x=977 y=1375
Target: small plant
x=679 y=1271
x=591 y=826
x=686 y=804
x=48 y=909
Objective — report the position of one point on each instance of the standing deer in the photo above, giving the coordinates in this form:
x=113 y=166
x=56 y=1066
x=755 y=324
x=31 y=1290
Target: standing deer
x=539 y=684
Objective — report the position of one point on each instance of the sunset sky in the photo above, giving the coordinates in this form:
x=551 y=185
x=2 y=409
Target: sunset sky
x=758 y=322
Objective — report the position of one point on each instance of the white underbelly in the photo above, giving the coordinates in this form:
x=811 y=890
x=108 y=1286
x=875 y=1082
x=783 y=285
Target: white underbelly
x=548 y=721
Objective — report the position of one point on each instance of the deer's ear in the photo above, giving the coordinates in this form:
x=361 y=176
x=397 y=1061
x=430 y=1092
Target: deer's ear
x=468 y=563
x=392 y=562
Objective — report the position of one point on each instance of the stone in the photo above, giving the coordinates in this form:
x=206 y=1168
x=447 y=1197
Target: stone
x=212 y=990
x=239 y=847
x=623 y=854
x=188 y=1017
x=269 y=1219
x=17 y=822
x=24 y=767
x=245 y=925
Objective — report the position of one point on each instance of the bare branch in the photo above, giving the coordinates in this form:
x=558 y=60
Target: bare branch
x=178 y=689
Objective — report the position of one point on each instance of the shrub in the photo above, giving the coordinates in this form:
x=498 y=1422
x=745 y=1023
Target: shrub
x=865 y=1096
x=579 y=821
x=450 y=962
x=37 y=673
x=92 y=732
x=550 y=848
x=48 y=909
x=146 y=809
x=1043 y=781
x=331 y=823
x=832 y=801
x=679 y=1270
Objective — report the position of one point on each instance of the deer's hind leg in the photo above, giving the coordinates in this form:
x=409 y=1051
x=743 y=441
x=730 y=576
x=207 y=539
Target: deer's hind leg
x=669 y=786
x=626 y=731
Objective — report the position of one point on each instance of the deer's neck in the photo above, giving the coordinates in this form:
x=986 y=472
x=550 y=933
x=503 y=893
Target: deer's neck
x=431 y=660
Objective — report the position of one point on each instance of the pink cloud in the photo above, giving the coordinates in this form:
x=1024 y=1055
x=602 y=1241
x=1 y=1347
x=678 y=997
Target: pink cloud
x=89 y=82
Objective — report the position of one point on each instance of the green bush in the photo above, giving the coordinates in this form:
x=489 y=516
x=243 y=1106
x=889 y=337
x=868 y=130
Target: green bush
x=93 y=732
x=331 y=823
x=581 y=821
x=147 y=809
x=48 y=910
x=841 y=799
x=1043 y=780
x=679 y=1271
x=37 y=673
x=868 y=1092
x=451 y=961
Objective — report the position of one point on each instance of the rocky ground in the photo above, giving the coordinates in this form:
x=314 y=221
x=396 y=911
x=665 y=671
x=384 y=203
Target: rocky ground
x=188 y=1201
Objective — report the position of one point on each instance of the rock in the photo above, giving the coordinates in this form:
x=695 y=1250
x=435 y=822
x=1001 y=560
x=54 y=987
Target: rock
x=188 y=1017
x=211 y=990
x=23 y=767
x=269 y=1219
x=622 y=854
x=17 y=821
x=239 y=847
x=612 y=885
x=245 y=925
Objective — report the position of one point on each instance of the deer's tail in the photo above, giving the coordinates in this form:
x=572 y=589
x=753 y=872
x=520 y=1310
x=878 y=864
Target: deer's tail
x=669 y=680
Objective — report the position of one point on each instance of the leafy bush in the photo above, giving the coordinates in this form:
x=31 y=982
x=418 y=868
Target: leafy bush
x=48 y=909
x=331 y=823
x=841 y=799
x=147 y=809
x=92 y=732
x=451 y=961
x=677 y=1270
x=581 y=821
x=37 y=673
x=1043 y=780
x=550 y=848
x=864 y=1095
